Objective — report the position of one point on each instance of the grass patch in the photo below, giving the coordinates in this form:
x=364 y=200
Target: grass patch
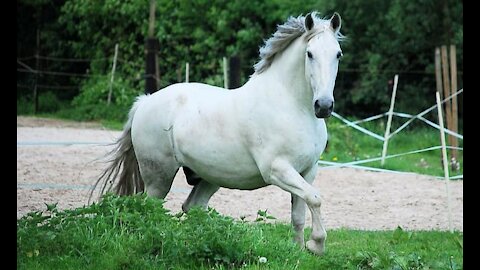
x=137 y=232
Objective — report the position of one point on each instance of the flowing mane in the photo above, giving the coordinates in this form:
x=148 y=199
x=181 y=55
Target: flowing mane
x=285 y=34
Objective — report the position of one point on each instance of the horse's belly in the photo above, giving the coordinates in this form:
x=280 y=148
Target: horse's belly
x=225 y=166
x=234 y=180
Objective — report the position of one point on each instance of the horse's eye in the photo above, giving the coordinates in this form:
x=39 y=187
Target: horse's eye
x=309 y=54
x=339 y=55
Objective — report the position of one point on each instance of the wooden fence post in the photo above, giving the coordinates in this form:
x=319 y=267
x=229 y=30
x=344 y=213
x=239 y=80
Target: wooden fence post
x=446 y=81
x=453 y=89
x=446 y=89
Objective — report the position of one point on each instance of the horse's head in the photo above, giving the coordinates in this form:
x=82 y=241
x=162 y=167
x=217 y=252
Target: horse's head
x=321 y=61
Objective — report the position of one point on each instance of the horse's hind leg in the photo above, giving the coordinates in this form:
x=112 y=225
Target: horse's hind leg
x=298 y=219
x=192 y=178
x=200 y=195
x=158 y=175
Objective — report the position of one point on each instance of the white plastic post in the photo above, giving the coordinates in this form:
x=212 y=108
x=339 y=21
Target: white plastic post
x=389 y=121
x=225 y=75
x=113 y=73
x=445 y=160
x=187 y=67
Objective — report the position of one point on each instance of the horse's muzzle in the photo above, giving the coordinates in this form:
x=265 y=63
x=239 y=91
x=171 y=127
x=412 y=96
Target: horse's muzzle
x=323 y=108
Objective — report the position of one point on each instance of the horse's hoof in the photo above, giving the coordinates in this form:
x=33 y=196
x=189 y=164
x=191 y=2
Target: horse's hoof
x=299 y=241
x=316 y=247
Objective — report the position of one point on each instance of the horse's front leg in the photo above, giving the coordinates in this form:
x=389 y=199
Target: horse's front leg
x=298 y=210
x=283 y=175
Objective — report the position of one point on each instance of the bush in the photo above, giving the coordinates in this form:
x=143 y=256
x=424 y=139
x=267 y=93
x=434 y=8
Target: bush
x=48 y=102
x=92 y=102
x=24 y=106
x=95 y=91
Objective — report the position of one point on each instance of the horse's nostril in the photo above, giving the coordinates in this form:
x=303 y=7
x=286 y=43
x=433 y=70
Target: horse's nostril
x=331 y=107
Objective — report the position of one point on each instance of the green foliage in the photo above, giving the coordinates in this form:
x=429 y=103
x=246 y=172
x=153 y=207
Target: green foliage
x=24 y=105
x=48 y=102
x=95 y=92
x=263 y=216
x=137 y=232
x=400 y=260
x=384 y=38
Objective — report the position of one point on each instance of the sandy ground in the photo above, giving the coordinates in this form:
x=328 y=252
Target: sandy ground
x=52 y=170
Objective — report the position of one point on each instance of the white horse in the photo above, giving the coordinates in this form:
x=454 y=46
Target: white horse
x=270 y=131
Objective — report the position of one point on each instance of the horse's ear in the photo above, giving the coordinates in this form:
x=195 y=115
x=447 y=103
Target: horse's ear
x=336 y=22
x=309 y=22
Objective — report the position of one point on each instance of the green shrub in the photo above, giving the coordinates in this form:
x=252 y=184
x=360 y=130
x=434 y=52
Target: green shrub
x=95 y=91
x=48 y=102
x=24 y=106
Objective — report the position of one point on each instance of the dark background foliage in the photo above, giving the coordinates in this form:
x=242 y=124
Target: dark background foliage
x=78 y=37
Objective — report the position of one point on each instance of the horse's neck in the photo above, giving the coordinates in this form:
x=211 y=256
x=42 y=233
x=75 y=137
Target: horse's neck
x=286 y=75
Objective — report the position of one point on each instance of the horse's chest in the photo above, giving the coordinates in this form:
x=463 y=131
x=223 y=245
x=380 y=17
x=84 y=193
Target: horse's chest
x=300 y=142
x=305 y=152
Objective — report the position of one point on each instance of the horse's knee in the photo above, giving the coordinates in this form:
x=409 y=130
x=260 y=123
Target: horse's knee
x=314 y=200
x=156 y=192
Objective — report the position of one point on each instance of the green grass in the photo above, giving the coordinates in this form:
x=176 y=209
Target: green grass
x=136 y=232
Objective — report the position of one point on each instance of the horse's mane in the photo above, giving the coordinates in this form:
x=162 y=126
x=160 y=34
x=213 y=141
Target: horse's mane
x=285 y=34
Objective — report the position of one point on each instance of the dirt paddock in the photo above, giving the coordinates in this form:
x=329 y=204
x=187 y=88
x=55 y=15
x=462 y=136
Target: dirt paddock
x=57 y=162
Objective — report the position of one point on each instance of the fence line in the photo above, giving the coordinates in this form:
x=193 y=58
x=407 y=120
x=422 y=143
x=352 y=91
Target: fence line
x=405 y=115
x=60 y=59
x=354 y=124
x=428 y=110
x=334 y=165
x=422 y=72
x=49 y=86
x=395 y=155
x=375 y=117
x=59 y=73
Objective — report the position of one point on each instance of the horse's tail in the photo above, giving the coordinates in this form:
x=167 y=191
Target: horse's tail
x=123 y=163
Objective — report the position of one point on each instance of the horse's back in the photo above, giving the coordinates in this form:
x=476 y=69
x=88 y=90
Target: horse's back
x=197 y=125
x=162 y=107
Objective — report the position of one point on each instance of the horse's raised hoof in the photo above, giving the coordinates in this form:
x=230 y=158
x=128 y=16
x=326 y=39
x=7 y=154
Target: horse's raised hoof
x=316 y=247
